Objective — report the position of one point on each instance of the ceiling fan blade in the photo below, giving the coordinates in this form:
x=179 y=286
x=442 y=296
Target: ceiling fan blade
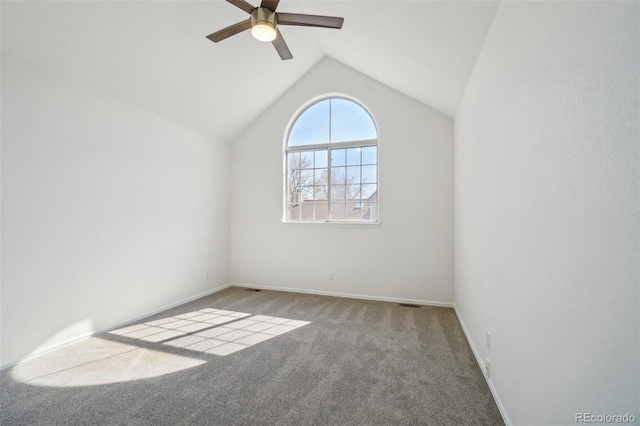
x=242 y=5
x=309 y=20
x=270 y=4
x=281 y=47
x=229 y=31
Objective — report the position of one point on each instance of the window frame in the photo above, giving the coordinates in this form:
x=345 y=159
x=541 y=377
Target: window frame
x=329 y=146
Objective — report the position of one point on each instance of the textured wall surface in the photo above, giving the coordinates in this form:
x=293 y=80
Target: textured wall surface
x=109 y=211
x=547 y=227
x=410 y=256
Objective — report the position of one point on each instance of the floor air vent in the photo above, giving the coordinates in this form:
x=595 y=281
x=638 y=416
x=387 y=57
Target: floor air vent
x=253 y=289
x=408 y=305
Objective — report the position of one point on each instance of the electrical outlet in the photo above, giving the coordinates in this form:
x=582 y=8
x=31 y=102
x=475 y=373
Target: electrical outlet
x=330 y=275
x=487 y=368
x=488 y=340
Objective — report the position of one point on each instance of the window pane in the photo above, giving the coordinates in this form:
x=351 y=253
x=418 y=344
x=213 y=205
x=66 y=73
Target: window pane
x=306 y=177
x=337 y=157
x=306 y=211
x=306 y=194
x=353 y=211
x=294 y=176
x=293 y=183
x=306 y=160
x=353 y=192
x=353 y=174
x=338 y=211
x=321 y=211
x=338 y=193
x=369 y=174
x=338 y=175
x=293 y=212
x=293 y=159
x=369 y=192
x=370 y=155
x=312 y=126
x=353 y=156
x=320 y=192
x=350 y=122
x=290 y=196
x=321 y=177
x=370 y=211
x=321 y=159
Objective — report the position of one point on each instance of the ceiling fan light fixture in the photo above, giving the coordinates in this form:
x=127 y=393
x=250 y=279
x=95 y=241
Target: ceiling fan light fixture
x=263 y=24
x=263 y=32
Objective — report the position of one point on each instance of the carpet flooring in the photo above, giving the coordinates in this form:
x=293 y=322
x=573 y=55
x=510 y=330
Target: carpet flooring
x=240 y=357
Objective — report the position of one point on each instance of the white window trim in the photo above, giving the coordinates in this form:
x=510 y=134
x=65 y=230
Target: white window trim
x=334 y=145
x=330 y=146
x=369 y=224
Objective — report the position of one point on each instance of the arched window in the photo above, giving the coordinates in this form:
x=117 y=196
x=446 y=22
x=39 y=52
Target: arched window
x=332 y=164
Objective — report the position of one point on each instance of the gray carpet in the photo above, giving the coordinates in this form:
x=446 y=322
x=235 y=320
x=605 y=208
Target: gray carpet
x=239 y=357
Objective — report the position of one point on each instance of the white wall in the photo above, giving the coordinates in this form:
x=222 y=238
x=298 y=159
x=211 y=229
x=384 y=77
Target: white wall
x=547 y=226
x=109 y=211
x=410 y=256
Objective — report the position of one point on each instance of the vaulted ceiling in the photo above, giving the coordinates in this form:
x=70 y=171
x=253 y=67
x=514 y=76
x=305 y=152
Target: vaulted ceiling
x=155 y=54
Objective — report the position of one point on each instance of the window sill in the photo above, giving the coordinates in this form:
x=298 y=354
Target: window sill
x=347 y=224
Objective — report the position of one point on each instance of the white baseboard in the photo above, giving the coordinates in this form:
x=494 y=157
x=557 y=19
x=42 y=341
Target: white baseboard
x=346 y=295
x=84 y=336
x=476 y=353
x=167 y=307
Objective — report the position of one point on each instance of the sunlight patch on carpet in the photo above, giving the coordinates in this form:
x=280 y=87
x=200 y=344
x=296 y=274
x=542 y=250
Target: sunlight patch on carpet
x=98 y=362
x=212 y=331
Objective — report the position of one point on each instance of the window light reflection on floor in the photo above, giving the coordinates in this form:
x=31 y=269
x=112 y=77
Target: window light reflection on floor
x=212 y=331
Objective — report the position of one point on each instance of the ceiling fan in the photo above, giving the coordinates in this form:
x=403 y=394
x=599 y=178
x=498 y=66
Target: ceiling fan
x=264 y=23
